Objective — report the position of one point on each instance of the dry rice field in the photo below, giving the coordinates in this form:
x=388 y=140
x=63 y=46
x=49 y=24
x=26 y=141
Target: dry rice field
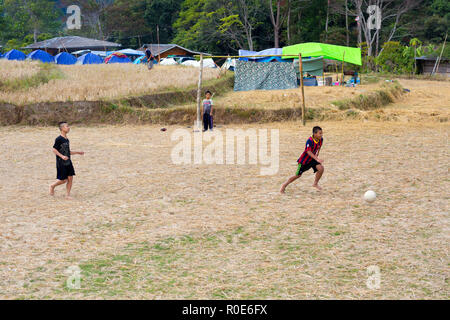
x=142 y=227
x=98 y=82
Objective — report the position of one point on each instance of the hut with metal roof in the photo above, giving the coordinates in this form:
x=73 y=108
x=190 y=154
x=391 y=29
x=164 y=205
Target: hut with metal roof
x=71 y=44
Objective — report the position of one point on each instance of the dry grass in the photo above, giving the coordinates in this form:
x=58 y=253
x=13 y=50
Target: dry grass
x=141 y=227
x=276 y=99
x=99 y=82
x=10 y=70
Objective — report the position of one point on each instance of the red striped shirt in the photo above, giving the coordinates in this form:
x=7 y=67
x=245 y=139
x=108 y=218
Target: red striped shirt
x=312 y=146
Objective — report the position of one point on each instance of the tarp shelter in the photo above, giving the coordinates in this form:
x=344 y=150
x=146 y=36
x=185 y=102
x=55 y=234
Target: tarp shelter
x=89 y=58
x=273 y=52
x=312 y=66
x=15 y=55
x=117 y=57
x=65 y=58
x=42 y=56
x=264 y=76
x=131 y=53
x=327 y=51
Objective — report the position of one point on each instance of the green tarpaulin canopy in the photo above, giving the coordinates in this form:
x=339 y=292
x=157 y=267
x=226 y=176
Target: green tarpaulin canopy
x=327 y=51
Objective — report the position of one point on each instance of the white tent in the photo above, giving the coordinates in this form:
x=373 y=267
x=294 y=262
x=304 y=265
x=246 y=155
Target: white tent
x=207 y=63
x=229 y=63
x=168 y=62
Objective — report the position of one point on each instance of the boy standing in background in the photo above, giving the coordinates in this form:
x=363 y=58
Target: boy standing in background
x=208 y=112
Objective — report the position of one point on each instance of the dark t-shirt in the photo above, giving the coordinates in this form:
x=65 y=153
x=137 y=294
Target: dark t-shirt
x=63 y=146
x=148 y=54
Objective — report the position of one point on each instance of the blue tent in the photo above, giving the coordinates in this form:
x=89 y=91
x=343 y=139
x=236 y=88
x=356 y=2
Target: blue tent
x=15 y=55
x=89 y=58
x=117 y=57
x=41 y=56
x=65 y=58
x=140 y=60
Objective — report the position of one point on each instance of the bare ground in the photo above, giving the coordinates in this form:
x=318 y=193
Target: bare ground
x=142 y=227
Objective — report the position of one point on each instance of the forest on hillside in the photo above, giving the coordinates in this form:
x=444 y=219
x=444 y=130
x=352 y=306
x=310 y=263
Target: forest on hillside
x=225 y=26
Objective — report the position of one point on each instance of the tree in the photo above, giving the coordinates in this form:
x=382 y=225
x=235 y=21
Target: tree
x=31 y=16
x=278 y=18
x=390 y=14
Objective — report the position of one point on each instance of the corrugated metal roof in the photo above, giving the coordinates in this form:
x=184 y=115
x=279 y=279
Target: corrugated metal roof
x=158 y=49
x=72 y=42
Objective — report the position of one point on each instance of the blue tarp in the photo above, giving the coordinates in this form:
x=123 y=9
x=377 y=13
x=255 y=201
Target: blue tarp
x=41 y=56
x=15 y=55
x=65 y=58
x=267 y=52
x=89 y=58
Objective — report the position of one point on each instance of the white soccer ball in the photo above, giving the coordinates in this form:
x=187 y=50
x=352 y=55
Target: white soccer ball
x=370 y=196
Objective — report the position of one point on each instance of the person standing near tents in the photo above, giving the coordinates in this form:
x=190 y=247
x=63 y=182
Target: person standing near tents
x=149 y=56
x=208 y=112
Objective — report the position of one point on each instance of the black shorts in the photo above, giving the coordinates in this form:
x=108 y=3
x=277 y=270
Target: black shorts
x=305 y=167
x=65 y=171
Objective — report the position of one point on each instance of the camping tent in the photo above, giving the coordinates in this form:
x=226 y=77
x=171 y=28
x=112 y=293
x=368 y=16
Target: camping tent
x=65 y=58
x=229 y=64
x=207 y=63
x=168 y=62
x=15 y=55
x=89 y=58
x=273 y=53
x=327 y=51
x=117 y=57
x=131 y=52
x=41 y=56
x=140 y=60
x=264 y=76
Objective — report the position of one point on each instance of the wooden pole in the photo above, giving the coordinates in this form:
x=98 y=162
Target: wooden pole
x=159 y=49
x=323 y=72
x=199 y=92
x=436 y=65
x=343 y=62
x=300 y=65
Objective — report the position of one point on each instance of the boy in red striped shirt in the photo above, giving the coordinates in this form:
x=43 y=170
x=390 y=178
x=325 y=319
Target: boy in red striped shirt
x=309 y=159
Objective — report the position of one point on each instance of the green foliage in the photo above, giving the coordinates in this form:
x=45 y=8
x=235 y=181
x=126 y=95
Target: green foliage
x=395 y=58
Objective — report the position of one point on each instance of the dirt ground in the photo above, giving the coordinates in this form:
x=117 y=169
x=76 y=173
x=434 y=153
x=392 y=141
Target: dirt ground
x=142 y=227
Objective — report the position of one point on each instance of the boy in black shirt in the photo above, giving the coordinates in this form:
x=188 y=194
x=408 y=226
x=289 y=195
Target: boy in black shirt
x=64 y=166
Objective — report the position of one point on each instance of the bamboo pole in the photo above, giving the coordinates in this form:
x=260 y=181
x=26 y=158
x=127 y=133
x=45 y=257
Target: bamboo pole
x=436 y=65
x=199 y=92
x=300 y=65
x=323 y=72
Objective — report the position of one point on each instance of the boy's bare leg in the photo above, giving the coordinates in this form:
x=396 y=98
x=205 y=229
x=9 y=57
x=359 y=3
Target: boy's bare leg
x=69 y=186
x=319 y=173
x=53 y=186
x=288 y=182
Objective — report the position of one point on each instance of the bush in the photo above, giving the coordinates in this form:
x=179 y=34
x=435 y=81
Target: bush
x=394 y=58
